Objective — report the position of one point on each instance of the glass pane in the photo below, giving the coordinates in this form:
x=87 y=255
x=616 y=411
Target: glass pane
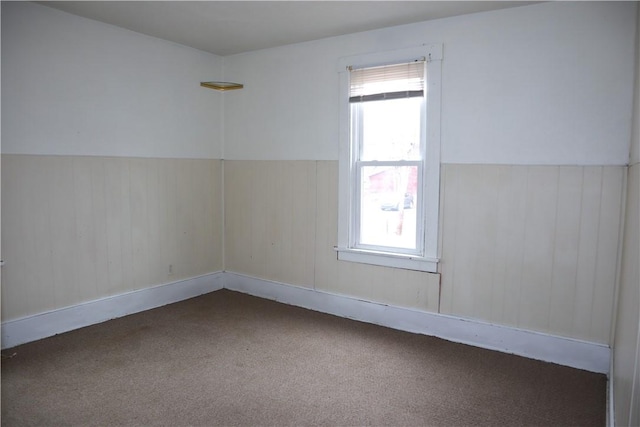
x=391 y=129
x=388 y=200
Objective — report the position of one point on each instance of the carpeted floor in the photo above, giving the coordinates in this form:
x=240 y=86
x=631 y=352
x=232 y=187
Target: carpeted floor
x=230 y=359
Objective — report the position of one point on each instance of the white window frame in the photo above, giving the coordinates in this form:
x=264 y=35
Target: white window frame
x=427 y=258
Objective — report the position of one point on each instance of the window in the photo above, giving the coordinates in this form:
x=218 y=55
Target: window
x=390 y=158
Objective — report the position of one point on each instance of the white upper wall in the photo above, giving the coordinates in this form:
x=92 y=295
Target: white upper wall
x=542 y=84
x=635 y=135
x=74 y=86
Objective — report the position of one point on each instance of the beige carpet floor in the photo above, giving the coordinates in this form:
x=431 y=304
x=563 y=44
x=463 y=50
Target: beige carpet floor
x=230 y=359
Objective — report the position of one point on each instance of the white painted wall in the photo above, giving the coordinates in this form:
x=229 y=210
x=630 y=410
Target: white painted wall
x=635 y=133
x=110 y=161
x=626 y=340
x=74 y=86
x=545 y=85
x=0 y=170
x=540 y=84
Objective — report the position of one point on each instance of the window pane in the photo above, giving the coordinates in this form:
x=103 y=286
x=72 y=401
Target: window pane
x=391 y=129
x=388 y=200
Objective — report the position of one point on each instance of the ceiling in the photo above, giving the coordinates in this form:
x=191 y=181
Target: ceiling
x=230 y=27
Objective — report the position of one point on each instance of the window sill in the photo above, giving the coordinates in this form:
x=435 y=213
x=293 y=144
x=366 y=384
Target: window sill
x=384 y=259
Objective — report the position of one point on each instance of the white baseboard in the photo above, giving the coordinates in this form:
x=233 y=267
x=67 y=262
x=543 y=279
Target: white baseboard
x=611 y=415
x=42 y=325
x=560 y=350
x=563 y=351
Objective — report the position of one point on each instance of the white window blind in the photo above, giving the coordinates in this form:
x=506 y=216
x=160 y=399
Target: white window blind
x=395 y=81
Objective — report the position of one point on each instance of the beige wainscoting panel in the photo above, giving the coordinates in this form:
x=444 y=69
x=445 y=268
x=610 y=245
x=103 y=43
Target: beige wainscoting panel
x=270 y=210
x=80 y=228
x=533 y=247
x=21 y=182
x=326 y=274
x=118 y=213
x=281 y=225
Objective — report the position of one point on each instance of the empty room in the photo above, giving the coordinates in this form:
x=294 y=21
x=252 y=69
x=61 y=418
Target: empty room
x=320 y=213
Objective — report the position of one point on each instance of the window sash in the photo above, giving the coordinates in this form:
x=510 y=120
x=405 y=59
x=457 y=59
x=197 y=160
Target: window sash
x=414 y=74
x=357 y=141
x=356 y=241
